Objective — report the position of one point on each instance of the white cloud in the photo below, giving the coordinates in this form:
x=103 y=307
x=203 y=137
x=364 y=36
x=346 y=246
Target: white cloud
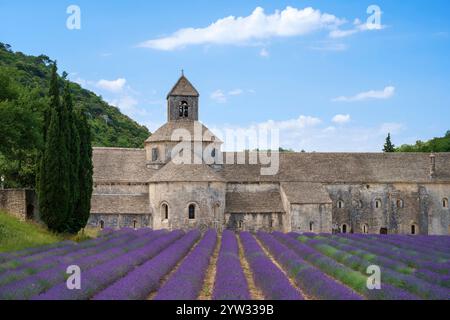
x=257 y=26
x=219 y=96
x=235 y=92
x=341 y=118
x=386 y=93
x=311 y=134
x=124 y=103
x=264 y=53
x=358 y=26
x=112 y=85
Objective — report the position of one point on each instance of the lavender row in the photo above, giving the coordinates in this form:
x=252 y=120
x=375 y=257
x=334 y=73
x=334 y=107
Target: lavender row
x=354 y=279
x=311 y=280
x=5 y=257
x=139 y=283
x=433 y=272
x=417 y=261
x=44 y=280
x=409 y=283
x=402 y=243
x=230 y=282
x=187 y=281
x=56 y=251
x=266 y=275
x=101 y=276
x=52 y=261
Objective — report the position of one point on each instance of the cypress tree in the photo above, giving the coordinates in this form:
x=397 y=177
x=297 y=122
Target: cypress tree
x=83 y=206
x=73 y=144
x=54 y=176
x=54 y=173
x=55 y=103
x=388 y=146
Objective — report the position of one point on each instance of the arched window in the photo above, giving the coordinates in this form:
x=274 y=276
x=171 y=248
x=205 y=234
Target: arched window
x=340 y=204
x=213 y=153
x=377 y=203
x=413 y=229
x=400 y=203
x=192 y=211
x=311 y=226
x=365 y=228
x=344 y=228
x=383 y=231
x=134 y=223
x=165 y=211
x=183 y=109
x=445 y=203
x=102 y=224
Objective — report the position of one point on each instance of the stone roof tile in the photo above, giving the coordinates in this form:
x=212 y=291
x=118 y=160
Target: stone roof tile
x=254 y=202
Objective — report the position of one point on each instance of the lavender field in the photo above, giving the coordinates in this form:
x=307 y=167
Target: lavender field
x=162 y=265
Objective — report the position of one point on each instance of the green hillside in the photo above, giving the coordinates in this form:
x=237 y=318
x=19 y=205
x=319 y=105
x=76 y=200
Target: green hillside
x=110 y=128
x=24 y=86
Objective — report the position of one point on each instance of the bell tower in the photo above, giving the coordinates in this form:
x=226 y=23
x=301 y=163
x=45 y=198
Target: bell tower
x=182 y=101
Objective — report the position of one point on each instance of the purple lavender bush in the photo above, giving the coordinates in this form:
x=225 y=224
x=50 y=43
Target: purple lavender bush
x=99 y=277
x=138 y=284
x=311 y=280
x=266 y=275
x=187 y=281
x=230 y=282
x=352 y=278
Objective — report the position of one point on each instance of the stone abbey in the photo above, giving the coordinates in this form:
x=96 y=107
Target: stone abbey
x=405 y=193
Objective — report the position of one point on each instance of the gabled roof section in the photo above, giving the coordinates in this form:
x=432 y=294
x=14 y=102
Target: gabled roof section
x=165 y=132
x=183 y=87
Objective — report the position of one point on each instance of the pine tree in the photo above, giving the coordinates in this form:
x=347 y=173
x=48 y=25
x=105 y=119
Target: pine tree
x=388 y=146
x=83 y=206
x=54 y=174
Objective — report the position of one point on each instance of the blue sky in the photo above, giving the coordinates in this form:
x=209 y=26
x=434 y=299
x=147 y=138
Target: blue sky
x=317 y=75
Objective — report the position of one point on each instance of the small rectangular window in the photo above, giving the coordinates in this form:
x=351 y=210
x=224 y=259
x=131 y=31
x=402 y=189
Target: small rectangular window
x=154 y=154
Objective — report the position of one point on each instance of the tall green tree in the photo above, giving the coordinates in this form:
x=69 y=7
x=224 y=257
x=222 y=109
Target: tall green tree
x=83 y=206
x=388 y=146
x=54 y=190
x=73 y=139
x=54 y=174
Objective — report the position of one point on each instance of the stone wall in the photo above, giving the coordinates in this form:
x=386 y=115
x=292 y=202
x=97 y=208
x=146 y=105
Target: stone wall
x=207 y=197
x=120 y=220
x=393 y=207
x=311 y=218
x=254 y=221
x=20 y=203
x=120 y=188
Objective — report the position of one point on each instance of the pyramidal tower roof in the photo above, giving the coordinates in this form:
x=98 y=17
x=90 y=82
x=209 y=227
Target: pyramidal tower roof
x=183 y=87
